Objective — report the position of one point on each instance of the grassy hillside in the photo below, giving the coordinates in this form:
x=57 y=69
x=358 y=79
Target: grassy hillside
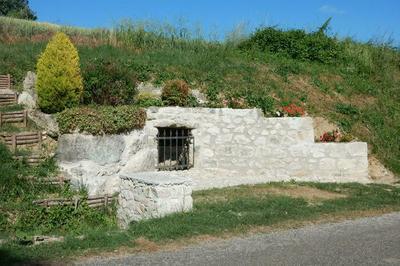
x=356 y=86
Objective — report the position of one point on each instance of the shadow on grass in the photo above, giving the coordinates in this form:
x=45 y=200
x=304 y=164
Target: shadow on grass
x=8 y=258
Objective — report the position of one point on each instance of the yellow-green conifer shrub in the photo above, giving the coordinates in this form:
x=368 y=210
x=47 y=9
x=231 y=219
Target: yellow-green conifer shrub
x=59 y=82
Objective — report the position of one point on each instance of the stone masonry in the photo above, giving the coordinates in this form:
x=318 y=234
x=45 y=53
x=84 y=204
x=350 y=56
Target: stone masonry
x=232 y=147
x=152 y=195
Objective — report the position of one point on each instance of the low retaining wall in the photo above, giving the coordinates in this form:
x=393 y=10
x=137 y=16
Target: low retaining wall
x=241 y=144
x=152 y=195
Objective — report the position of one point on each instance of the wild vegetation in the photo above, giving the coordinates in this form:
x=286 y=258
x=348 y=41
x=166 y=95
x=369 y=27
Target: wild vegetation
x=107 y=82
x=296 y=44
x=19 y=217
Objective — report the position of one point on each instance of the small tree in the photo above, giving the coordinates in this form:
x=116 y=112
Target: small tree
x=59 y=82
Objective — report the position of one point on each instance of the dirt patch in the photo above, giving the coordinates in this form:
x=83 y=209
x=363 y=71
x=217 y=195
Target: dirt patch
x=143 y=244
x=322 y=125
x=320 y=100
x=308 y=193
x=362 y=100
x=378 y=172
x=330 y=79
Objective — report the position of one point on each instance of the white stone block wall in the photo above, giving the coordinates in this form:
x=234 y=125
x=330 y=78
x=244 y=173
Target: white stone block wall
x=152 y=195
x=242 y=144
x=247 y=144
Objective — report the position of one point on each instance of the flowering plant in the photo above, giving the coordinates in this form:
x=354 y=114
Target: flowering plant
x=293 y=110
x=331 y=136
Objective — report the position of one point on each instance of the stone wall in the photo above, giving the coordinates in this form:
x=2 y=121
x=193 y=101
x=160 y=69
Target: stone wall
x=238 y=145
x=152 y=195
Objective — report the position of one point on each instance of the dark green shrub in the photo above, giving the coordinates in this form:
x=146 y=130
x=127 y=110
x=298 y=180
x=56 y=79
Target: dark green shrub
x=175 y=93
x=297 y=44
x=108 y=83
x=101 y=119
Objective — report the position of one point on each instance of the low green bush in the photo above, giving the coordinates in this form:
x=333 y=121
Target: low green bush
x=175 y=93
x=97 y=120
x=265 y=102
x=107 y=82
x=147 y=100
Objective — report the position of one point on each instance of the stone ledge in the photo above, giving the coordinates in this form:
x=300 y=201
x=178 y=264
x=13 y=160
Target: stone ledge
x=156 y=178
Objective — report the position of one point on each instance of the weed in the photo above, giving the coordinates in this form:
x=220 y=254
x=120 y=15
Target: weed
x=347 y=109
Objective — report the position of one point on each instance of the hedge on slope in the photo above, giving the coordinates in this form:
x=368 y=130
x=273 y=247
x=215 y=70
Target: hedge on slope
x=59 y=81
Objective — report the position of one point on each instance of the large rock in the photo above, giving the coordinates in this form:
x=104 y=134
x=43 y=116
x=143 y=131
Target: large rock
x=28 y=96
x=152 y=195
x=99 y=149
x=149 y=88
x=94 y=162
x=96 y=179
x=200 y=97
x=46 y=121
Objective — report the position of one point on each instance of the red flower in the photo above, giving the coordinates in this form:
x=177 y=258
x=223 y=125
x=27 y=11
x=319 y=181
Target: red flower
x=293 y=110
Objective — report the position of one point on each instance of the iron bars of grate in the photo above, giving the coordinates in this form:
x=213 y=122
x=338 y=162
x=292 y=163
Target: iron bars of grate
x=175 y=148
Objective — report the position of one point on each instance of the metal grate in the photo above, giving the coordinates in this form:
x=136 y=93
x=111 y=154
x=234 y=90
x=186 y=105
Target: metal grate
x=175 y=148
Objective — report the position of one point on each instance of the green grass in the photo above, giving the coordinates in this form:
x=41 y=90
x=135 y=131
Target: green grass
x=241 y=209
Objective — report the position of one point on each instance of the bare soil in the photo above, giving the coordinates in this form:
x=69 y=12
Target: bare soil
x=310 y=194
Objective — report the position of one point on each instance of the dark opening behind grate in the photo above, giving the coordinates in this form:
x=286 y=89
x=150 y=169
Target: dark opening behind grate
x=175 y=148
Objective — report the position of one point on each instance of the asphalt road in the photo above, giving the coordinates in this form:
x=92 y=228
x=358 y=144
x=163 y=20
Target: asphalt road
x=367 y=241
